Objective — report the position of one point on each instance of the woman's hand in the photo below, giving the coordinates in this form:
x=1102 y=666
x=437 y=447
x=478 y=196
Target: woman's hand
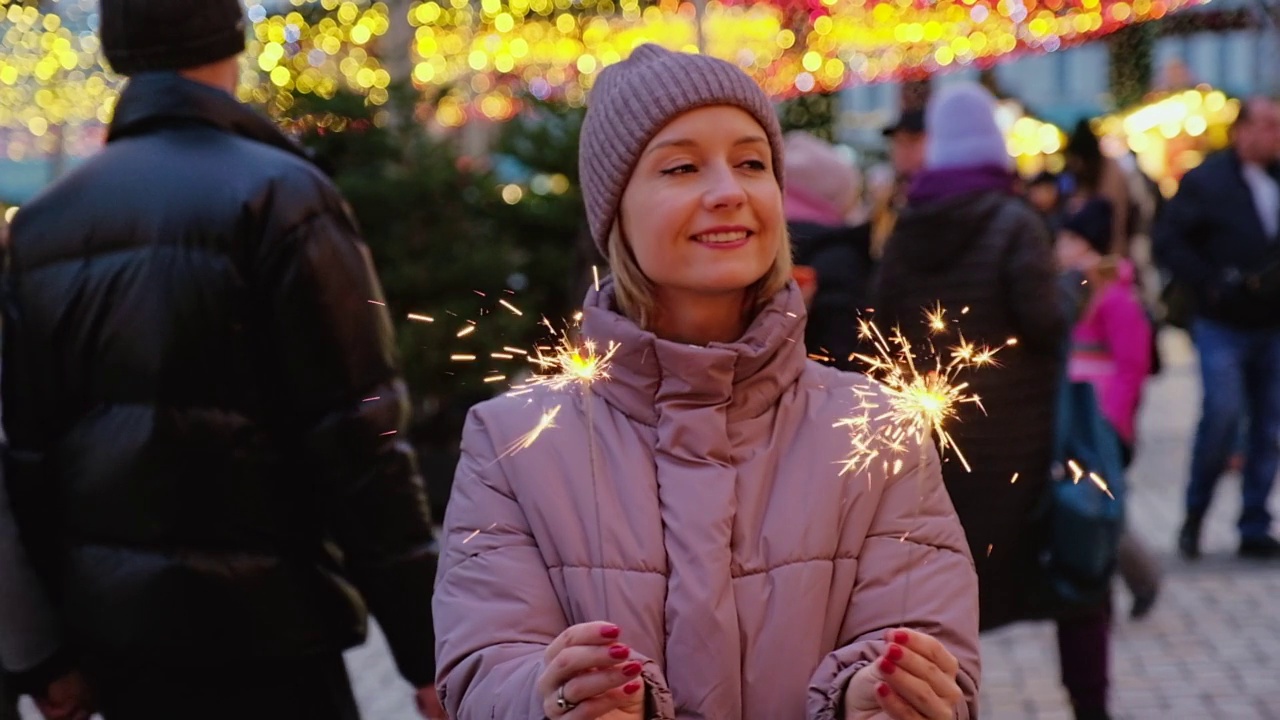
x=589 y=675
x=915 y=679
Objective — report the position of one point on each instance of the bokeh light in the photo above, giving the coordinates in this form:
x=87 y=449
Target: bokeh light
x=474 y=58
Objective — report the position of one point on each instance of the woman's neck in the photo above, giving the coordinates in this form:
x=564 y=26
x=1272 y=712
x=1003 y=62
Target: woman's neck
x=700 y=319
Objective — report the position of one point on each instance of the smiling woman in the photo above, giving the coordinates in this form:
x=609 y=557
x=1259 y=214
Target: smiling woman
x=700 y=239
x=682 y=542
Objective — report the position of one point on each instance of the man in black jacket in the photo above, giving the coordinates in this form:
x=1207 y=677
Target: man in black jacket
x=203 y=402
x=1220 y=239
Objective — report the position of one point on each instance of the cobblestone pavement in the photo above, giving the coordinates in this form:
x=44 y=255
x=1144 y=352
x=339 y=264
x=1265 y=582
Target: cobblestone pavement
x=1211 y=647
x=1209 y=650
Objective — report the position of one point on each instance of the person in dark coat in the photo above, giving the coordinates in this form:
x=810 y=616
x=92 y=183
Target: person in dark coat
x=203 y=402
x=1219 y=237
x=821 y=196
x=968 y=244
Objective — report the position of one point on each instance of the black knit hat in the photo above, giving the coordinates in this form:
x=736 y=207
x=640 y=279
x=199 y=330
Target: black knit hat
x=1093 y=223
x=142 y=35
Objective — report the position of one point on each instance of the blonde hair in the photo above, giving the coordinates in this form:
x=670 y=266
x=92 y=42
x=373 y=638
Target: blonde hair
x=637 y=295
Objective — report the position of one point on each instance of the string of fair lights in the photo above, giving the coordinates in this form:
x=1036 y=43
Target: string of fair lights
x=473 y=58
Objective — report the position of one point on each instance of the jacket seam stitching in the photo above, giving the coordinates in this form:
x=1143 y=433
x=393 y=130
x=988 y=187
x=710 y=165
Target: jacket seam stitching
x=789 y=563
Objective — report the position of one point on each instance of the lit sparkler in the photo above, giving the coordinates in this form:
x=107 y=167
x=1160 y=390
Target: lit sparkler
x=560 y=365
x=919 y=403
x=568 y=363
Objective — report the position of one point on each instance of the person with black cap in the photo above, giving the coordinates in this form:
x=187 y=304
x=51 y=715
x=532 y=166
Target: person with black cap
x=906 y=144
x=204 y=405
x=906 y=139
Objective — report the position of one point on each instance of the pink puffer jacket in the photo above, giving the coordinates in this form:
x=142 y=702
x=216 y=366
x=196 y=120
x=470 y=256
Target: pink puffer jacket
x=695 y=500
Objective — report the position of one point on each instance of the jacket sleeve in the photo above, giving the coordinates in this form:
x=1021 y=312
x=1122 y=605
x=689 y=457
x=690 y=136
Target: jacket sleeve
x=29 y=632
x=31 y=642
x=1031 y=277
x=495 y=608
x=1179 y=230
x=338 y=398
x=915 y=571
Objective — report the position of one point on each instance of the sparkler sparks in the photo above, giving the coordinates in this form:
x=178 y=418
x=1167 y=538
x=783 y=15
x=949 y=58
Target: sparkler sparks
x=919 y=403
x=1078 y=473
x=567 y=363
x=476 y=532
x=416 y=317
x=1096 y=479
x=524 y=442
x=936 y=319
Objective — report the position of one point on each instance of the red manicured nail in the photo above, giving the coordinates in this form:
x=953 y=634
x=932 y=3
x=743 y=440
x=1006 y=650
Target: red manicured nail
x=901 y=637
x=610 y=631
x=895 y=653
x=882 y=690
x=619 y=652
x=632 y=687
x=886 y=666
x=631 y=669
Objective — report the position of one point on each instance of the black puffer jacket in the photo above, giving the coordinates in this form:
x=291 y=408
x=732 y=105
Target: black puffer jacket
x=201 y=393
x=991 y=254
x=841 y=259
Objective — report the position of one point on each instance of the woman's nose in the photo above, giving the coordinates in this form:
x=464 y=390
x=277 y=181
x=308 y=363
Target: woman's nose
x=724 y=189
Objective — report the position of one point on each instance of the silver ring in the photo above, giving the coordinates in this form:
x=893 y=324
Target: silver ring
x=562 y=702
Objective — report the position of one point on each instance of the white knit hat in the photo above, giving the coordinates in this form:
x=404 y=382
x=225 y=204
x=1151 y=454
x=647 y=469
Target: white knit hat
x=960 y=123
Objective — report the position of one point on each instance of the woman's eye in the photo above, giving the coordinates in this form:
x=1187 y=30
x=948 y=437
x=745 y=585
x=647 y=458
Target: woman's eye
x=680 y=169
x=754 y=165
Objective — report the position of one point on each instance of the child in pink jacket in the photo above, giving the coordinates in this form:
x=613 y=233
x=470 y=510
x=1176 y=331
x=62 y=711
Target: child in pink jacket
x=1111 y=344
x=1111 y=349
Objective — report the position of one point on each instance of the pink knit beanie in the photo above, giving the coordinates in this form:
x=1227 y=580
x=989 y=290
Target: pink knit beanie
x=634 y=99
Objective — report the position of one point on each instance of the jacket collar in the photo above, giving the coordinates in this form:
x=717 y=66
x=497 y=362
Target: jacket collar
x=650 y=377
x=156 y=99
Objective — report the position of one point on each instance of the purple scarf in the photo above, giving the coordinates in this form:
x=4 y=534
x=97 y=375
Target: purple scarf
x=934 y=185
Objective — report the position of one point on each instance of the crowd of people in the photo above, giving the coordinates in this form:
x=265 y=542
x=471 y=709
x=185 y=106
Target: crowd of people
x=206 y=491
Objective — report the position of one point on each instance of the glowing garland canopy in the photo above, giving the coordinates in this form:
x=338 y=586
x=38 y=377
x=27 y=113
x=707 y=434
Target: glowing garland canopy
x=488 y=50
x=474 y=57
x=51 y=72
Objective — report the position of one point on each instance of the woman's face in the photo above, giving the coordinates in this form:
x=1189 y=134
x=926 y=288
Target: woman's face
x=703 y=210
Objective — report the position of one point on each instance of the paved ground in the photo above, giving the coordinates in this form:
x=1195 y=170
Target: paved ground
x=1211 y=648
